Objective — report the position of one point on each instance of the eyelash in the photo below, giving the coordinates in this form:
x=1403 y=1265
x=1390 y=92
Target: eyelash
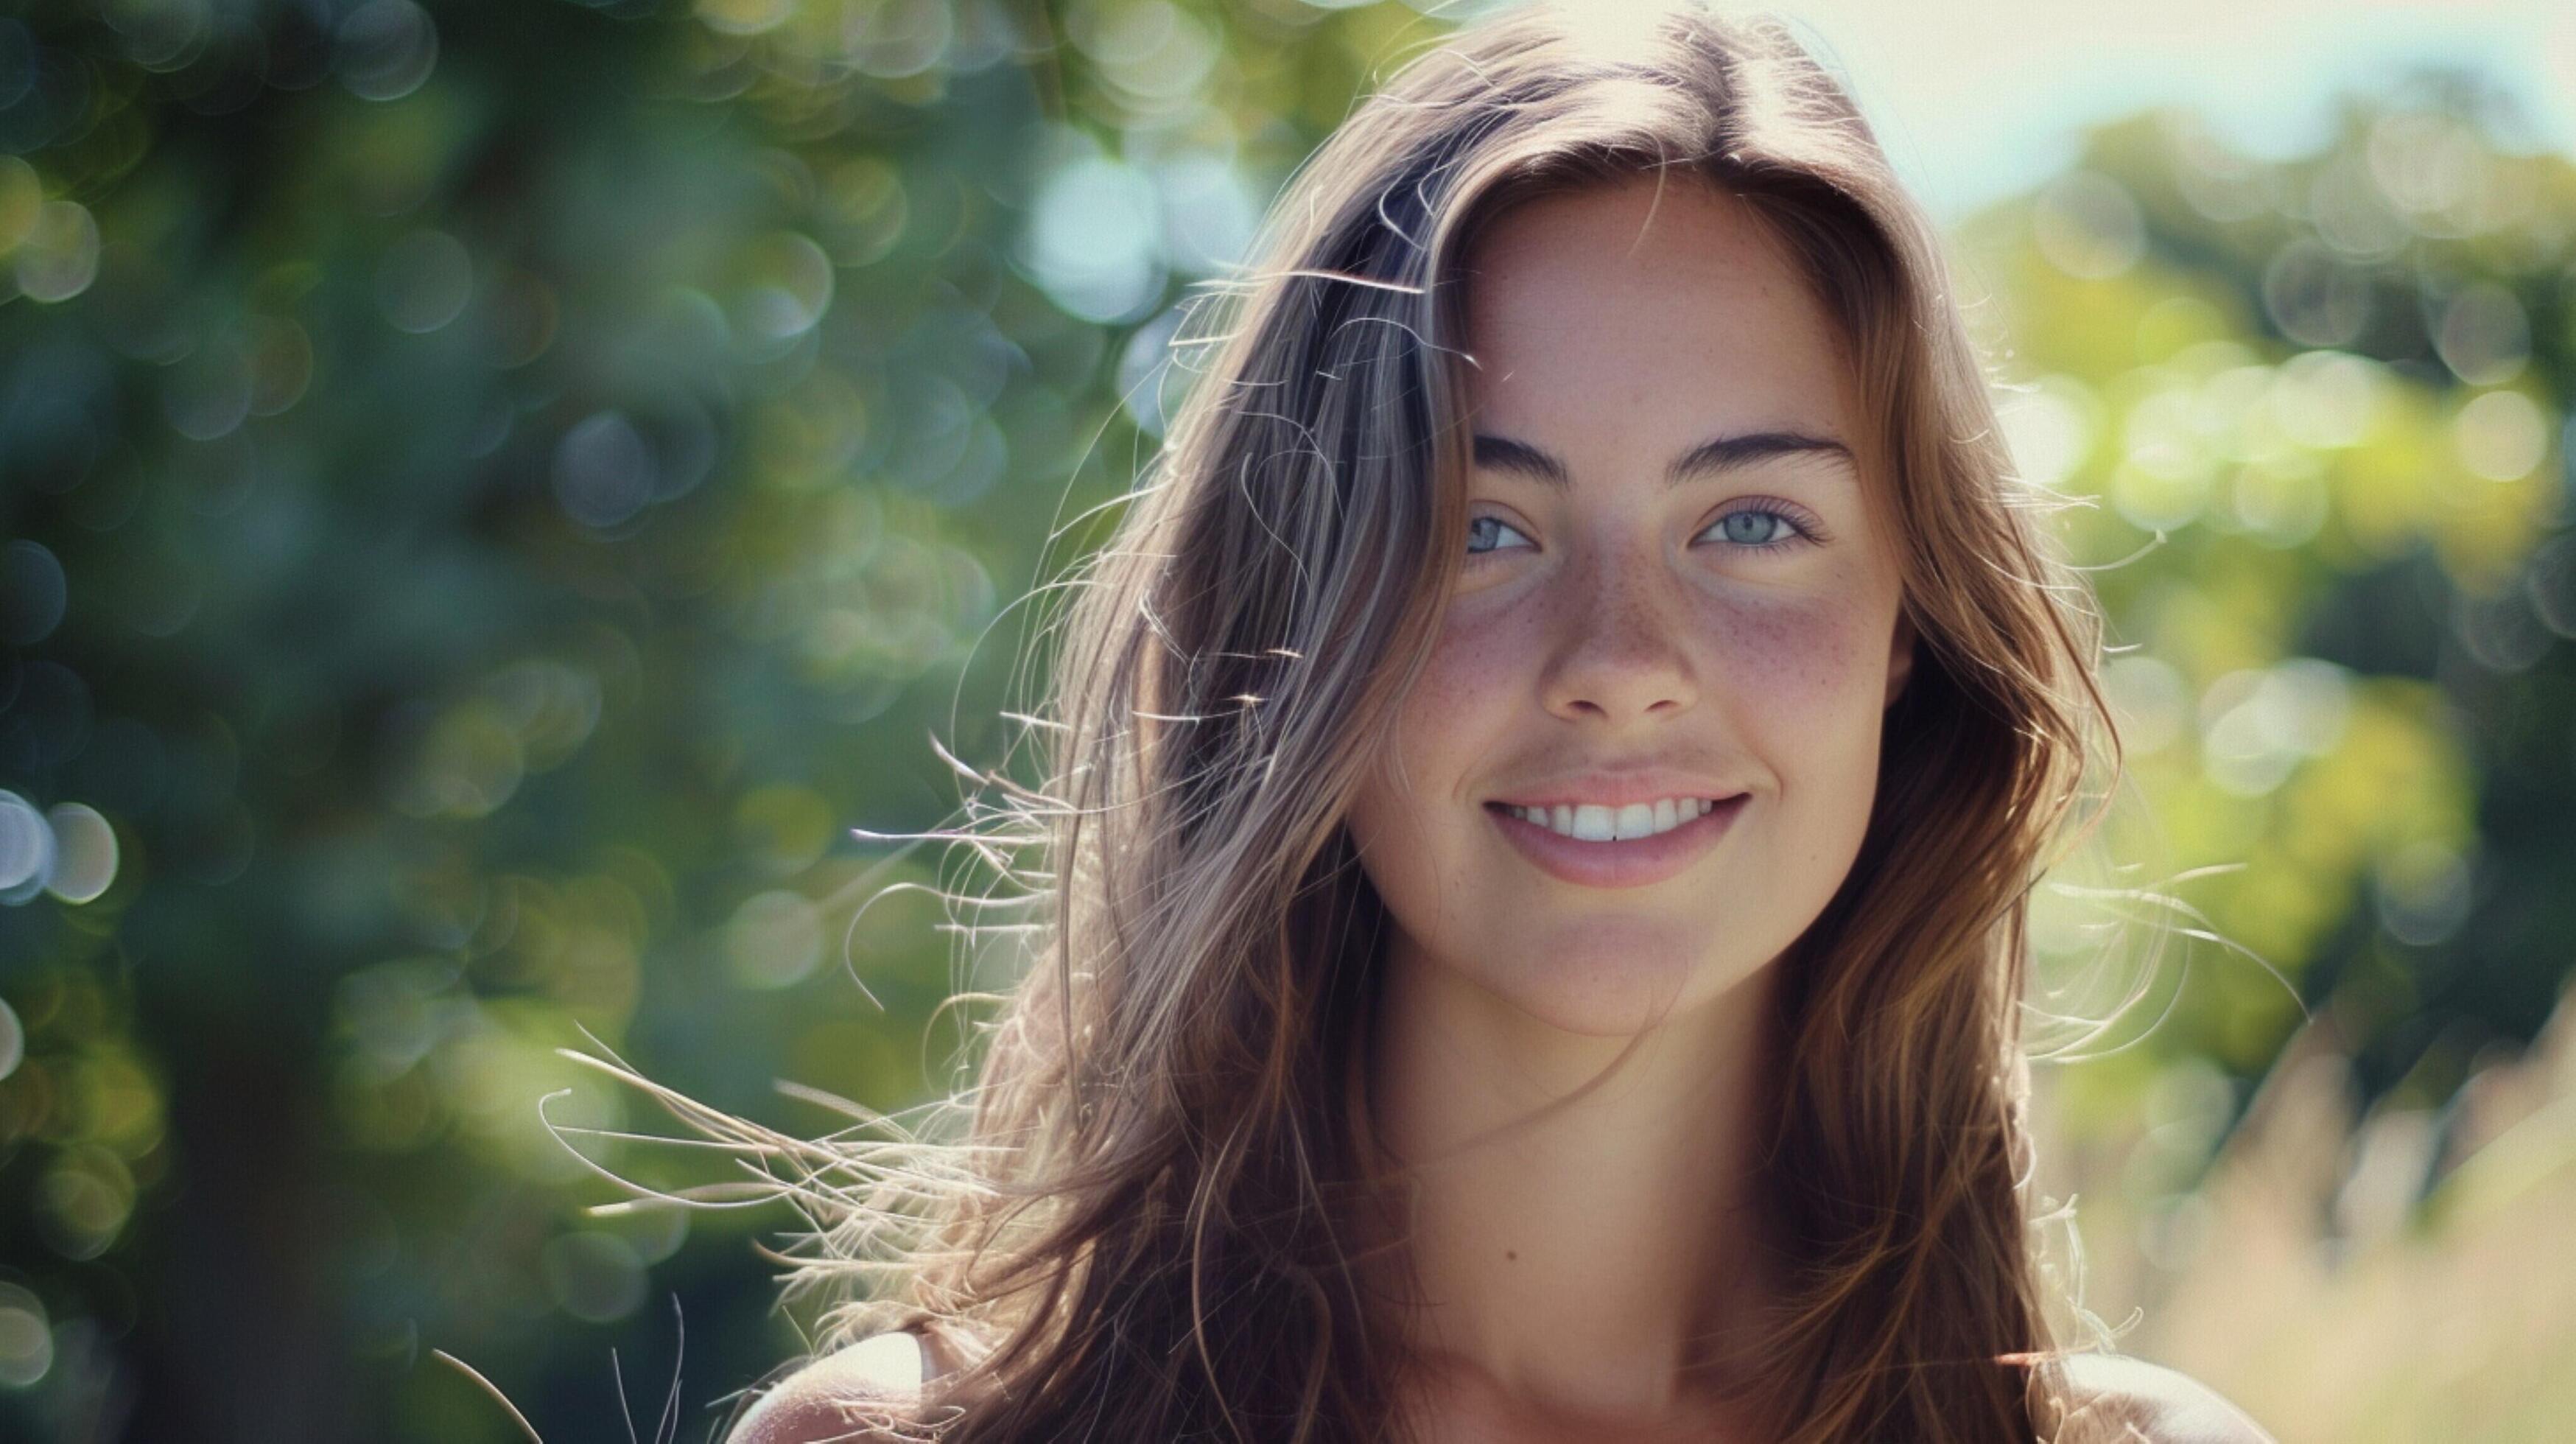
x=1798 y=532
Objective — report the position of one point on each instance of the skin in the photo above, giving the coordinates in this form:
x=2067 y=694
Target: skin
x=1582 y=1234
x=1620 y=623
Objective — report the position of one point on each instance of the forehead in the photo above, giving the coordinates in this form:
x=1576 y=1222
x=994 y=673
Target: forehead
x=1647 y=310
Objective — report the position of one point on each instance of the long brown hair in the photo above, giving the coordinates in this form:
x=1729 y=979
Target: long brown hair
x=1137 y=1221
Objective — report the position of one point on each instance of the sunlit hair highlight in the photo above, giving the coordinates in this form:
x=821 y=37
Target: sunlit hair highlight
x=1137 y=1221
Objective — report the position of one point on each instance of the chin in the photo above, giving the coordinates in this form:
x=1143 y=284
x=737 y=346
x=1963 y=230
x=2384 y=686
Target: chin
x=1612 y=978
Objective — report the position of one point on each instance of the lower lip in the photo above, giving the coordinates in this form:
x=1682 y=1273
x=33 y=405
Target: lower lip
x=1634 y=862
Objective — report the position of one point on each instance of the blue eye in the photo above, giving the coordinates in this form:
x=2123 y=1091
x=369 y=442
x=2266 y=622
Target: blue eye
x=1489 y=530
x=1759 y=528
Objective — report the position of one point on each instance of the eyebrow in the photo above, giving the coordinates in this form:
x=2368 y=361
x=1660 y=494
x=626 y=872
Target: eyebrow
x=1709 y=458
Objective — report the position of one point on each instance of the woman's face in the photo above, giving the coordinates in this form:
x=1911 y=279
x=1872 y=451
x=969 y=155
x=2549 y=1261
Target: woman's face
x=1675 y=633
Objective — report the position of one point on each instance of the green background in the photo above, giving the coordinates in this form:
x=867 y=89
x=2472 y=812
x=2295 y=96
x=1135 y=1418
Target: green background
x=492 y=493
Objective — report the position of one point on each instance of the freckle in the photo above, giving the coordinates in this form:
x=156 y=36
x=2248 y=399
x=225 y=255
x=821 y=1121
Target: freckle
x=1511 y=1254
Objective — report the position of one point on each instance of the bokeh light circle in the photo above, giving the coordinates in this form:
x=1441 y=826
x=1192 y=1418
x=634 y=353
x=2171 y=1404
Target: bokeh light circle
x=893 y=39
x=22 y=196
x=744 y=17
x=2500 y=435
x=1095 y=238
x=2423 y=892
x=2551 y=582
x=387 y=49
x=59 y=257
x=2484 y=335
x=26 y=1338
x=774 y=940
x=595 y=1277
x=162 y=36
x=84 y=852
x=210 y=393
x=2315 y=296
x=26 y=848
x=33 y=592
x=604 y=471
x=2150 y=700
x=2089 y=226
x=424 y=281
x=785 y=286
x=2050 y=426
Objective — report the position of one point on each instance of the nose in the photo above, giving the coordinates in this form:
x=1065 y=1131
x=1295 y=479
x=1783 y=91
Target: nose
x=1622 y=655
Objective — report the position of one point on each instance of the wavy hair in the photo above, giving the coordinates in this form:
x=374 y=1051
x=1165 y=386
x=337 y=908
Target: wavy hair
x=1138 y=1222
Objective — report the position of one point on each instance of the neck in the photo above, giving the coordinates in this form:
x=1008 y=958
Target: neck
x=1582 y=1235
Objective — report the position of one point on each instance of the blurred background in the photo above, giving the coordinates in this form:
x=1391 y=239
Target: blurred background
x=493 y=491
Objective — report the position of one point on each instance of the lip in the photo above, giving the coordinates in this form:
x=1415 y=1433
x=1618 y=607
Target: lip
x=1635 y=862
x=1618 y=789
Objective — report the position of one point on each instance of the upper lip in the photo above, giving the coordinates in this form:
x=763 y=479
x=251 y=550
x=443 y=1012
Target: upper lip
x=1615 y=789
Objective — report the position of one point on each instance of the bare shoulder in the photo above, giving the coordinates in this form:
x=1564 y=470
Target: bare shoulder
x=2116 y=1399
x=827 y=1399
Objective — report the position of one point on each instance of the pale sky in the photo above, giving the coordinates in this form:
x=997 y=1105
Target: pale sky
x=1977 y=98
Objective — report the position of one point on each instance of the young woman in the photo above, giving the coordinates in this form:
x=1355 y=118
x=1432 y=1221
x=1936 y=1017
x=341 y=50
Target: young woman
x=1542 y=790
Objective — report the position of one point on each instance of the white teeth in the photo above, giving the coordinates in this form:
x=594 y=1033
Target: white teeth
x=1593 y=822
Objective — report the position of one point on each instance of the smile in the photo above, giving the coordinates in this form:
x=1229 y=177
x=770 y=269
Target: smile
x=1593 y=845
x=1589 y=822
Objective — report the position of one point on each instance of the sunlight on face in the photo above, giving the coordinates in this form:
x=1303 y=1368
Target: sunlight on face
x=1631 y=626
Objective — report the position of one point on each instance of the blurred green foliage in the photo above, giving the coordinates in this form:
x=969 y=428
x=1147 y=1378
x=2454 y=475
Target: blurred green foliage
x=2314 y=418
x=494 y=491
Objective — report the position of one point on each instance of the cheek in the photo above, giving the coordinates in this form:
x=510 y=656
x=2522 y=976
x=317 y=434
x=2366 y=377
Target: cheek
x=1804 y=684
x=1412 y=811
x=1800 y=668
x=1468 y=696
